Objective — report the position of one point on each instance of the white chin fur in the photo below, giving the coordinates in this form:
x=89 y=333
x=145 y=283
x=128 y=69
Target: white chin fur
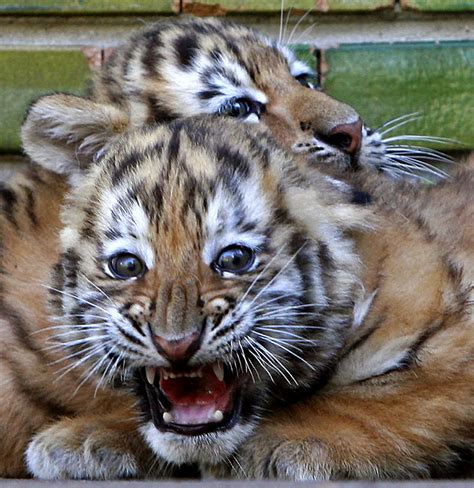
x=207 y=448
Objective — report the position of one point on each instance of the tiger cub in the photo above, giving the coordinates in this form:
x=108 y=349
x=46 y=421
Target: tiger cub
x=192 y=66
x=170 y=284
x=225 y=280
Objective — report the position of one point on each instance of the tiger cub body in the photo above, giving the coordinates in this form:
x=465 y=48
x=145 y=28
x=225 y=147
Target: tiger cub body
x=255 y=281
x=196 y=66
x=92 y=355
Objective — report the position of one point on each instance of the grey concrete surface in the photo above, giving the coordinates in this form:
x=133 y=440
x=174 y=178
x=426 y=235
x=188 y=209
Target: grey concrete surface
x=231 y=484
x=324 y=31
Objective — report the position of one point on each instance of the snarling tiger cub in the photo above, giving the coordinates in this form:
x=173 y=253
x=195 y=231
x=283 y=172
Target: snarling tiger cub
x=192 y=66
x=178 y=265
x=200 y=278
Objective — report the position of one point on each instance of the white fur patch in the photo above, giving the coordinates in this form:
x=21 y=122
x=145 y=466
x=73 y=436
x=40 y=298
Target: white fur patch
x=207 y=448
x=361 y=309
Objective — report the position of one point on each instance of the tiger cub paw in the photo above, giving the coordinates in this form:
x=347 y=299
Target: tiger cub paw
x=62 y=452
x=283 y=459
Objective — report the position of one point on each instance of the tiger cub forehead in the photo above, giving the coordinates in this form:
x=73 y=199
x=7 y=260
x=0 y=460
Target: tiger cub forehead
x=170 y=192
x=195 y=65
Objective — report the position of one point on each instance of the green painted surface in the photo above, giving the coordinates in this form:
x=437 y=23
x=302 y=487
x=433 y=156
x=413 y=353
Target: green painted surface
x=439 y=5
x=352 y=5
x=26 y=75
x=220 y=7
x=83 y=6
x=384 y=81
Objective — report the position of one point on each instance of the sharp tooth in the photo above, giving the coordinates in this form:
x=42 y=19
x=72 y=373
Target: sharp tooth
x=150 y=374
x=199 y=374
x=218 y=416
x=218 y=371
x=167 y=417
x=165 y=375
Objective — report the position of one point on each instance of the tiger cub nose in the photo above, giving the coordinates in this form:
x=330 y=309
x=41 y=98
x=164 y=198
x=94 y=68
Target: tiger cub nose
x=181 y=349
x=347 y=137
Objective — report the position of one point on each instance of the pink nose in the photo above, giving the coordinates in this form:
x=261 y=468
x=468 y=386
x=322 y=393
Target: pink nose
x=347 y=137
x=178 y=349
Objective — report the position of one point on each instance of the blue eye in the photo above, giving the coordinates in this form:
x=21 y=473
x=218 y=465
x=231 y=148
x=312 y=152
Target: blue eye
x=307 y=80
x=235 y=259
x=126 y=265
x=240 y=107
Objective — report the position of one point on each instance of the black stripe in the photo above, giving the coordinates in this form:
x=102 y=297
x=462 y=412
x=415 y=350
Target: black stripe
x=186 y=48
x=360 y=197
x=9 y=201
x=126 y=165
x=427 y=333
x=153 y=43
x=129 y=336
x=159 y=112
x=363 y=338
x=174 y=143
x=232 y=160
x=30 y=205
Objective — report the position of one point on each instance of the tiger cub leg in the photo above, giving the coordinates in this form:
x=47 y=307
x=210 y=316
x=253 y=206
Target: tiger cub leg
x=403 y=432
x=91 y=448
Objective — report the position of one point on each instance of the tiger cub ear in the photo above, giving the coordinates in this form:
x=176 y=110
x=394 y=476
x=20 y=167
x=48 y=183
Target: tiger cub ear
x=65 y=133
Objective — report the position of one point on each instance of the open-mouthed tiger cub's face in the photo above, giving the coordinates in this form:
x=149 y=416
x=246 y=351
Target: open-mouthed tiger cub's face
x=198 y=66
x=202 y=262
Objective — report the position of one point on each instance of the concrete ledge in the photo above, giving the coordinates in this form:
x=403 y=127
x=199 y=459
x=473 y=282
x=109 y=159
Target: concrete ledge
x=235 y=484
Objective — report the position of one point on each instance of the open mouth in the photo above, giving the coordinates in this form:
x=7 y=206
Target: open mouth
x=193 y=401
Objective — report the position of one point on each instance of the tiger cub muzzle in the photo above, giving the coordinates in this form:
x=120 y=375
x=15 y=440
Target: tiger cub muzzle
x=183 y=398
x=192 y=401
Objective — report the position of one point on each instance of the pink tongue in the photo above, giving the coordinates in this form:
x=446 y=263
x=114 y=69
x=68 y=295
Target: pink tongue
x=195 y=400
x=193 y=415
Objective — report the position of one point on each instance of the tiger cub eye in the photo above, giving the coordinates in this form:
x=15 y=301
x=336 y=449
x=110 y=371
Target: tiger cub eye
x=126 y=265
x=235 y=259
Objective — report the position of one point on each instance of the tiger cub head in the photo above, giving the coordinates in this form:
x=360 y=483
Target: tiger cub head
x=198 y=259
x=208 y=66
x=198 y=66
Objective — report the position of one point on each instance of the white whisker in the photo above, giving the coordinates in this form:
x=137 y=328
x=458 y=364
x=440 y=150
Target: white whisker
x=400 y=124
x=289 y=351
x=281 y=21
x=411 y=137
x=301 y=19
x=276 y=359
x=390 y=122
x=290 y=260
x=75 y=297
x=99 y=289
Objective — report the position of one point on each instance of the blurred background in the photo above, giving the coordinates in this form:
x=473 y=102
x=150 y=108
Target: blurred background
x=387 y=58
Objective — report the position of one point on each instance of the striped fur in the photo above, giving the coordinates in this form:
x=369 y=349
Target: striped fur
x=192 y=66
x=397 y=402
x=74 y=339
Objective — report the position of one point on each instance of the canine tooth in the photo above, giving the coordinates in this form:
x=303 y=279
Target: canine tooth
x=150 y=374
x=199 y=374
x=218 y=371
x=218 y=416
x=167 y=417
